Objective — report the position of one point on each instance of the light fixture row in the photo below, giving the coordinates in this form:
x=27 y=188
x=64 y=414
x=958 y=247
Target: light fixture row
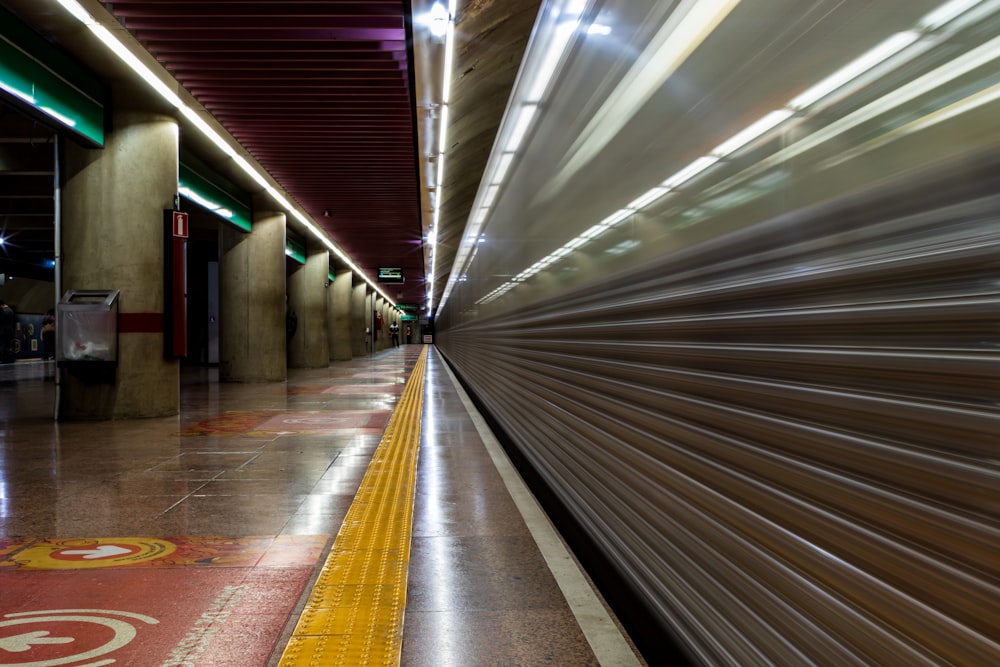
x=807 y=100
x=222 y=143
x=441 y=23
x=563 y=19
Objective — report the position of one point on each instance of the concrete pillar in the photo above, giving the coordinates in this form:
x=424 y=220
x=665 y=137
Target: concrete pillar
x=388 y=315
x=331 y=318
x=310 y=346
x=358 y=320
x=112 y=238
x=252 y=300
x=387 y=320
x=340 y=307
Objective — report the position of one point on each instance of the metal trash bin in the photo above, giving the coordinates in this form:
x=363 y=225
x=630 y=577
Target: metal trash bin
x=87 y=332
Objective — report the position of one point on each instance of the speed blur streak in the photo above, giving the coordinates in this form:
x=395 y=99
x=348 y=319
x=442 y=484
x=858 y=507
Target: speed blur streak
x=741 y=315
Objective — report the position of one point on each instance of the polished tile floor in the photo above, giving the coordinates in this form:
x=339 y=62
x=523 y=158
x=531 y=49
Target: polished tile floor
x=284 y=460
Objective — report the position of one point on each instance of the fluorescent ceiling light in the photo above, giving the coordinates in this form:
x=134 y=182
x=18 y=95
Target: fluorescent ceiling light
x=167 y=93
x=757 y=129
x=449 y=57
x=250 y=171
x=278 y=197
x=683 y=32
x=58 y=116
x=945 y=13
x=137 y=65
x=690 y=171
x=502 y=167
x=77 y=10
x=440 y=171
x=524 y=117
x=205 y=203
x=206 y=130
x=985 y=54
x=595 y=231
x=30 y=99
x=490 y=195
x=443 y=132
x=556 y=46
x=855 y=68
x=648 y=198
x=616 y=217
x=437 y=20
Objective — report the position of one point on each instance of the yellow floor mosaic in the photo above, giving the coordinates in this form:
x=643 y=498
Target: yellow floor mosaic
x=354 y=615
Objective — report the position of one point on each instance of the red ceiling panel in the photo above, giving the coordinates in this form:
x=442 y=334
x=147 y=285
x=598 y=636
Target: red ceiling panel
x=319 y=93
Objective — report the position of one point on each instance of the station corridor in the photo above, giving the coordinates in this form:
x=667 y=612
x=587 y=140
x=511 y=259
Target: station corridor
x=208 y=538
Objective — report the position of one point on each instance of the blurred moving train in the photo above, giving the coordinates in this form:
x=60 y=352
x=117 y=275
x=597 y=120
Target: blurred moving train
x=731 y=290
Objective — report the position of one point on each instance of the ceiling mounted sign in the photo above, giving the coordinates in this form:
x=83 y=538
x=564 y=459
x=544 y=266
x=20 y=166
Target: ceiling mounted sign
x=390 y=274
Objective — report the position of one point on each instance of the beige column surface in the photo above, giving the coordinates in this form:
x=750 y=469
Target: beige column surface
x=310 y=346
x=358 y=322
x=112 y=238
x=252 y=301
x=340 y=299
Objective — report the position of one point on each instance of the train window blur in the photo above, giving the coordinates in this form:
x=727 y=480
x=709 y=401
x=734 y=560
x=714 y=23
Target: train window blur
x=738 y=312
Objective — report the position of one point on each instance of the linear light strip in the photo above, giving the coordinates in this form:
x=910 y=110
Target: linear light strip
x=946 y=13
x=449 y=56
x=687 y=28
x=865 y=62
x=165 y=91
x=568 y=18
x=857 y=67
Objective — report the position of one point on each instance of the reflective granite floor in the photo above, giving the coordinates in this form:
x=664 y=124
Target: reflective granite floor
x=260 y=477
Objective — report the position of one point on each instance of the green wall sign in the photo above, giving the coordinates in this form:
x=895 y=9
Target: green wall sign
x=42 y=77
x=295 y=247
x=196 y=184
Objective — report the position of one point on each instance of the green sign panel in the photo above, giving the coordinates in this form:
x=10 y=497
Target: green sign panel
x=409 y=307
x=295 y=247
x=194 y=184
x=39 y=75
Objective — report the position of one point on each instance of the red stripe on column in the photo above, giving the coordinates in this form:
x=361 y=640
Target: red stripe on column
x=140 y=322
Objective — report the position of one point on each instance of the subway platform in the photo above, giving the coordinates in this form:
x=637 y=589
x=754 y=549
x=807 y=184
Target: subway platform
x=360 y=514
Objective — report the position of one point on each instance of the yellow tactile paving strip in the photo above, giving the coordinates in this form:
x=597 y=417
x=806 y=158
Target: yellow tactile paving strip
x=354 y=615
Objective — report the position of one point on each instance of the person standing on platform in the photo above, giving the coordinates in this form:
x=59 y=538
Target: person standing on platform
x=49 y=334
x=394 y=332
x=6 y=332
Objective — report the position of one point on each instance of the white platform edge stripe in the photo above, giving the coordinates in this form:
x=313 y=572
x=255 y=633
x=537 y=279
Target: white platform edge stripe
x=604 y=637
